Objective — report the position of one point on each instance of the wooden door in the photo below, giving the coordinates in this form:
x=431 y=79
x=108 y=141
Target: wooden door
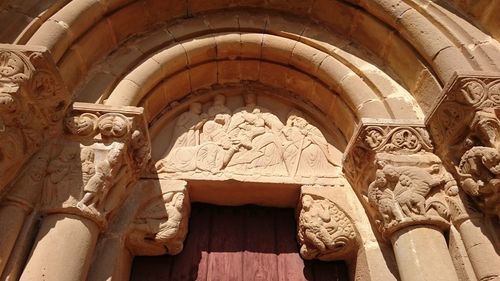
x=238 y=243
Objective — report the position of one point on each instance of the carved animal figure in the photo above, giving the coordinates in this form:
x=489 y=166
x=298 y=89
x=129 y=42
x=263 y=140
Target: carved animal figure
x=480 y=170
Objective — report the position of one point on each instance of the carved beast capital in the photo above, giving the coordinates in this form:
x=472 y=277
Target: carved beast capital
x=466 y=126
x=391 y=164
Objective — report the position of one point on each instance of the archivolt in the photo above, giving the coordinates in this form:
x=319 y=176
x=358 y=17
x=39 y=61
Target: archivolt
x=445 y=41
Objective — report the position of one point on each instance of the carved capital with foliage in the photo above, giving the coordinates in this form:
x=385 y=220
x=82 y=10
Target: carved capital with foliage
x=33 y=100
x=103 y=151
x=466 y=127
x=392 y=166
x=325 y=232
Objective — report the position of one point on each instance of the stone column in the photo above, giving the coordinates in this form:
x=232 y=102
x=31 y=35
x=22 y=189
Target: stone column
x=33 y=101
x=19 y=203
x=466 y=127
x=153 y=221
x=391 y=165
x=88 y=177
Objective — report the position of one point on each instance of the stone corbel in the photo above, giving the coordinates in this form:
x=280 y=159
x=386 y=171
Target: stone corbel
x=101 y=154
x=392 y=166
x=161 y=223
x=33 y=101
x=466 y=127
x=325 y=232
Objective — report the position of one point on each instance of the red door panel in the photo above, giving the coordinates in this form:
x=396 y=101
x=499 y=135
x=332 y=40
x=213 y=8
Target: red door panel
x=238 y=243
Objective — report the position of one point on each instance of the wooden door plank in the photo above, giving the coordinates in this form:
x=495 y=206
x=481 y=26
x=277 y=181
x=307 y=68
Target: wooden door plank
x=260 y=259
x=225 y=258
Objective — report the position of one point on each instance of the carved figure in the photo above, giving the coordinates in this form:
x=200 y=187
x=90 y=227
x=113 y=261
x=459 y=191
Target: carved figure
x=480 y=171
x=250 y=141
x=60 y=174
x=187 y=128
x=380 y=194
x=101 y=181
x=324 y=231
x=400 y=192
x=162 y=227
x=306 y=149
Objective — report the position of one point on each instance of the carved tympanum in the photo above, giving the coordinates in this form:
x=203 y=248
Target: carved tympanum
x=247 y=141
x=324 y=230
x=161 y=226
x=93 y=165
x=33 y=100
x=392 y=165
x=466 y=125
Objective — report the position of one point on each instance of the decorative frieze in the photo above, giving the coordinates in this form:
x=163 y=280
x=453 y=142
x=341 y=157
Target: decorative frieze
x=247 y=143
x=102 y=153
x=324 y=230
x=33 y=101
x=465 y=124
x=392 y=166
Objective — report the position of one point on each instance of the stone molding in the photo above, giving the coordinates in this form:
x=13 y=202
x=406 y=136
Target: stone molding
x=33 y=101
x=103 y=151
x=466 y=127
x=324 y=231
x=392 y=166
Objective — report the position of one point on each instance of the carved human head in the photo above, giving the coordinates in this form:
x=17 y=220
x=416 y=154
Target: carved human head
x=195 y=107
x=390 y=173
x=113 y=125
x=250 y=99
x=219 y=100
x=307 y=201
x=87 y=154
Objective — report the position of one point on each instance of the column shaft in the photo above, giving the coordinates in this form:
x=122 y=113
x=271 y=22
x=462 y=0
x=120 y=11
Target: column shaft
x=63 y=249
x=11 y=222
x=422 y=254
x=484 y=259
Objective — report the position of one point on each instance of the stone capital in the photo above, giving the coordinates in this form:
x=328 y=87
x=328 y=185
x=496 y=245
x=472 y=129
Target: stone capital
x=466 y=127
x=325 y=232
x=101 y=154
x=33 y=101
x=392 y=166
x=161 y=222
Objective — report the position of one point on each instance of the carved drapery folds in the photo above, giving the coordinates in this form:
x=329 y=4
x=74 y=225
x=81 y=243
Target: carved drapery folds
x=392 y=166
x=465 y=124
x=247 y=143
x=91 y=167
x=324 y=230
x=33 y=100
x=161 y=225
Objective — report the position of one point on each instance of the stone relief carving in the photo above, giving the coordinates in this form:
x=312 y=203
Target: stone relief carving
x=92 y=166
x=249 y=141
x=161 y=227
x=401 y=194
x=469 y=139
x=394 y=168
x=324 y=230
x=33 y=100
